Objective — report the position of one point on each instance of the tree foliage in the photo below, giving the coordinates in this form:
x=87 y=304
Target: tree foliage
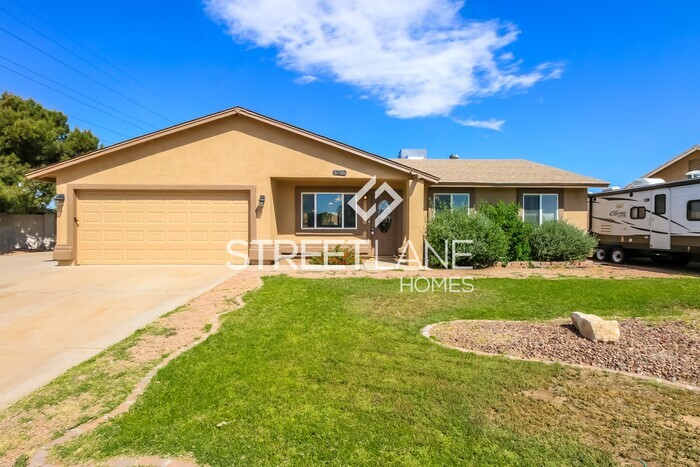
x=32 y=136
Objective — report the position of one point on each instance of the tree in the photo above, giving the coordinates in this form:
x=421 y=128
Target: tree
x=32 y=136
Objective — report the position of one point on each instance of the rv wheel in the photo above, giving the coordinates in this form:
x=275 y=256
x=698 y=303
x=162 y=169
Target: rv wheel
x=617 y=255
x=600 y=254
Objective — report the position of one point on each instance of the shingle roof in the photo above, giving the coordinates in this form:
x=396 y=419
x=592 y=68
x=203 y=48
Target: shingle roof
x=500 y=172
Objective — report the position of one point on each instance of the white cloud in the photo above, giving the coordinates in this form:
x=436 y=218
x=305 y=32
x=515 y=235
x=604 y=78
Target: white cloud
x=418 y=57
x=306 y=79
x=492 y=124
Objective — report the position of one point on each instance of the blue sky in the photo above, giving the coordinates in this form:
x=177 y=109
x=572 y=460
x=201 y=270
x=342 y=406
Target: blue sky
x=607 y=89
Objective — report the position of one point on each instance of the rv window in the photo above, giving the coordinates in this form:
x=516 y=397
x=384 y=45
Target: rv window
x=694 y=210
x=660 y=204
x=638 y=213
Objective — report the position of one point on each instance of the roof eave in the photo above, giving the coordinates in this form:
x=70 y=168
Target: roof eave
x=596 y=184
x=49 y=178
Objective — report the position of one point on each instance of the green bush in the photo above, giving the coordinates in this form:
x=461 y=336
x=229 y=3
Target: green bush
x=489 y=242
x=561 y=241
x=507 y=217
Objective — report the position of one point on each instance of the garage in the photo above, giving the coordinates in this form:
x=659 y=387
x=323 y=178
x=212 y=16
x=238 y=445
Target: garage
x=159 y=227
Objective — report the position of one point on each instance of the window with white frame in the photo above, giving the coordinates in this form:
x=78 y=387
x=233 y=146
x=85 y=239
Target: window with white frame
x=538 y=208
x=327 y=211
x=443 y=201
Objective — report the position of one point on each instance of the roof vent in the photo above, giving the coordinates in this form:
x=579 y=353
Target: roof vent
x=413 y=154
x=647 y=181
x=610 y=188
x=454 y=156
x=693 y=174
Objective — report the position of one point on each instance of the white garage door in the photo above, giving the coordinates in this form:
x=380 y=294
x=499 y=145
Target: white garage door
x=159 y=227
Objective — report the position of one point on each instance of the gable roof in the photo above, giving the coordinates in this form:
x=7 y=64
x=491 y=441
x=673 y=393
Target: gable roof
x=501 y=172
x=673 y=161
x=47 y=173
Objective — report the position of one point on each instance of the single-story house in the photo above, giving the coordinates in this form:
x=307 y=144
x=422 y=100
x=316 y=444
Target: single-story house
x=179 y=195
x=675 y=169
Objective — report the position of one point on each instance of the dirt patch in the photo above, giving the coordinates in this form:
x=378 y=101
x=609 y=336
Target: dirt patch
x=692 y=421
x=668 y=349
x=546 y=396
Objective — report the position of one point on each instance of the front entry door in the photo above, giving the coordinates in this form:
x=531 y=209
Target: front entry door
x=660 y=224
x=388 y=233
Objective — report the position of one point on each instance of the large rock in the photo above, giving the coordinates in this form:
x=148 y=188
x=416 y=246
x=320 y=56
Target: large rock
x=595 y=328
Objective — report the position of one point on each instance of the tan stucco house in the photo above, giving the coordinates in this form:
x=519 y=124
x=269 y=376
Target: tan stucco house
x=676 y=169
x=179 y=195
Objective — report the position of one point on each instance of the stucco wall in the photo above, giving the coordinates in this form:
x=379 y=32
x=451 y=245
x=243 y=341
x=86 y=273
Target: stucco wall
x=676 y=171
x=415 y=218
x=27 y=232
x=575 y=207
x=494 y=195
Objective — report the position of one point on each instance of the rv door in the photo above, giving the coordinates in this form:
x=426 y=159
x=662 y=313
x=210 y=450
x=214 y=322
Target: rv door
x=660 y=235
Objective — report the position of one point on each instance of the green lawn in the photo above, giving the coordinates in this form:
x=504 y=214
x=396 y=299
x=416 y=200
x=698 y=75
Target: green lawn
x=335 y=371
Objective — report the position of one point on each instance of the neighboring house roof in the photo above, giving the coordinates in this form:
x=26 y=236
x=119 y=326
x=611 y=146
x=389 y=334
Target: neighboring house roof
x=501 y=172
x=46 y=173
x=673 y=161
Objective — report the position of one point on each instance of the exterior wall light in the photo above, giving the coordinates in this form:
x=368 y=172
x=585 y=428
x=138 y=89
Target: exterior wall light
x=59 y=199
x=261 y=201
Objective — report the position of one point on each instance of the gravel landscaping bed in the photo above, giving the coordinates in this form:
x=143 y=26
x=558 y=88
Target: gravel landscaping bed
x=665 y=349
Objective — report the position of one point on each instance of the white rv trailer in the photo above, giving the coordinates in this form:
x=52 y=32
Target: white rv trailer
x=650 y=218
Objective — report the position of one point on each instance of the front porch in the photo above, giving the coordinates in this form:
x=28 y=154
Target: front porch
x=318 y=213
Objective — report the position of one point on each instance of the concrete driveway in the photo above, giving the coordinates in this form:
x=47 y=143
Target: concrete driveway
x=52 y=318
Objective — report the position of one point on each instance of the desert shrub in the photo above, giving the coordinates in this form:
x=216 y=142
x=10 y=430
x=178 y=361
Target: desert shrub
x=561 y=241
x=507 y=217
x=489 y=242
x=347 y=259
